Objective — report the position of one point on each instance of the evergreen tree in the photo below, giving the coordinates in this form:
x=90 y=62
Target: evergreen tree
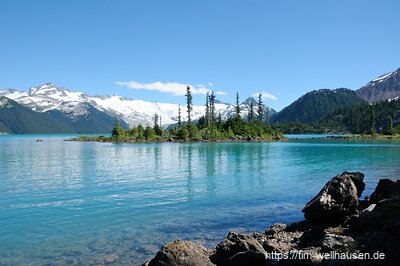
x=157 y=127
x=237 y=108
x=184 y=133
x=372 y=118
x=251 y=113
x=133 y=132
x=118 y=132
x=140 y=134
x=212 y=107
x=260 y=110
x=189 y=104
x=155 y=120
x=179 y=117
x=192 y=130
x=207 y=118
x=389 y=124
x=149 y=133
x=219 y=121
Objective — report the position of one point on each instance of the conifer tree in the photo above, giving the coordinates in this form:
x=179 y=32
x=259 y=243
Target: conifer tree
x=149 y=133
x=251 y=112
x=189 y=104
x=260 y=110
x=237 y=108
x=212 y=107
x=140 y=132
x=219 y=121
x=372 y=118
x=157 y=127
x=389 y=124
x=179 y=117
x=118 y=132
x=207 y=118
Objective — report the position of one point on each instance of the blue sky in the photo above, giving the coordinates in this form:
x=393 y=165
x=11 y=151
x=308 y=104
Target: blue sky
x=150 y=49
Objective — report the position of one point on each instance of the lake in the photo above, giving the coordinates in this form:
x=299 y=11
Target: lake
x=66 y=203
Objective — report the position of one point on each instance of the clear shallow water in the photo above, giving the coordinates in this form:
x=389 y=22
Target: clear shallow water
x=66 y=203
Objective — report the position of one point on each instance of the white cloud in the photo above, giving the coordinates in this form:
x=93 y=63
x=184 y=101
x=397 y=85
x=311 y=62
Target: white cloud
x=265 y=95
x=174 y=88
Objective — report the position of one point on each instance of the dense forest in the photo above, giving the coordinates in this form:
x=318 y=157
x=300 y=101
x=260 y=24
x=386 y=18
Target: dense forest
x=382 y=117
x=209 y=127
x=315 y=105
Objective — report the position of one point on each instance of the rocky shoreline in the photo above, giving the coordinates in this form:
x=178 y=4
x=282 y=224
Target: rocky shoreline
x=339 y=229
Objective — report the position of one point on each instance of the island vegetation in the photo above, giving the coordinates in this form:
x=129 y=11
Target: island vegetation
x=210 y=127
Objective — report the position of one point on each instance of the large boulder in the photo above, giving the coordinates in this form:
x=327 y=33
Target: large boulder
x=385 y=189
x=337 y=200
x=181 y=253
x=379 y=230
x=238 y=249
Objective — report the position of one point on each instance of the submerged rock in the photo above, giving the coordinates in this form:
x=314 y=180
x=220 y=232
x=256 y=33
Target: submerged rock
x=107 y=259
x=337 y=200
x=181 y=253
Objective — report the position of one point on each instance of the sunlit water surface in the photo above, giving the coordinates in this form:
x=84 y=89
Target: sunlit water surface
x=66 y=203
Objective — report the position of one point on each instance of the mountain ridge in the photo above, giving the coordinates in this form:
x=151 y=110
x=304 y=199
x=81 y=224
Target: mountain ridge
x=48 y=97
x=73 y=107
x=316 y=104
x=384 y=87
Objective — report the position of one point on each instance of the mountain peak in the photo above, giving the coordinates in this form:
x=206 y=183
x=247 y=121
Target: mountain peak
x=382 y=88
x=43 y=89
x=249 y=100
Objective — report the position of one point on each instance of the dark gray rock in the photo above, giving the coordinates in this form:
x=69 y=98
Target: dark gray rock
x=379 y=230
x=249 y=257
x=337 y=200
x=338 y=243
x=181 y=253
x=385 y=189
x=238 y=249
x=281 y=238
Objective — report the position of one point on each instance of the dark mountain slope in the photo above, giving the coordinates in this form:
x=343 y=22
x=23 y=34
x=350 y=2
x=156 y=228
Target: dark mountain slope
x=16 y=118
x=20 y=119
x=315 y=105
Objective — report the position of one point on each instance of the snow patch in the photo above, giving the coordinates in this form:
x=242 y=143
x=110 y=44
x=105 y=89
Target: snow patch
x=381 y=78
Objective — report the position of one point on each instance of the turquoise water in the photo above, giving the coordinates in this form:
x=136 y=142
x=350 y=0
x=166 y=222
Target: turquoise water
x=66 y=203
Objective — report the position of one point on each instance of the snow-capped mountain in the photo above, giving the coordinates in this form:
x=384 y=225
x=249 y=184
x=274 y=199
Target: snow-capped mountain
x=384 y=87
x=49 y=97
